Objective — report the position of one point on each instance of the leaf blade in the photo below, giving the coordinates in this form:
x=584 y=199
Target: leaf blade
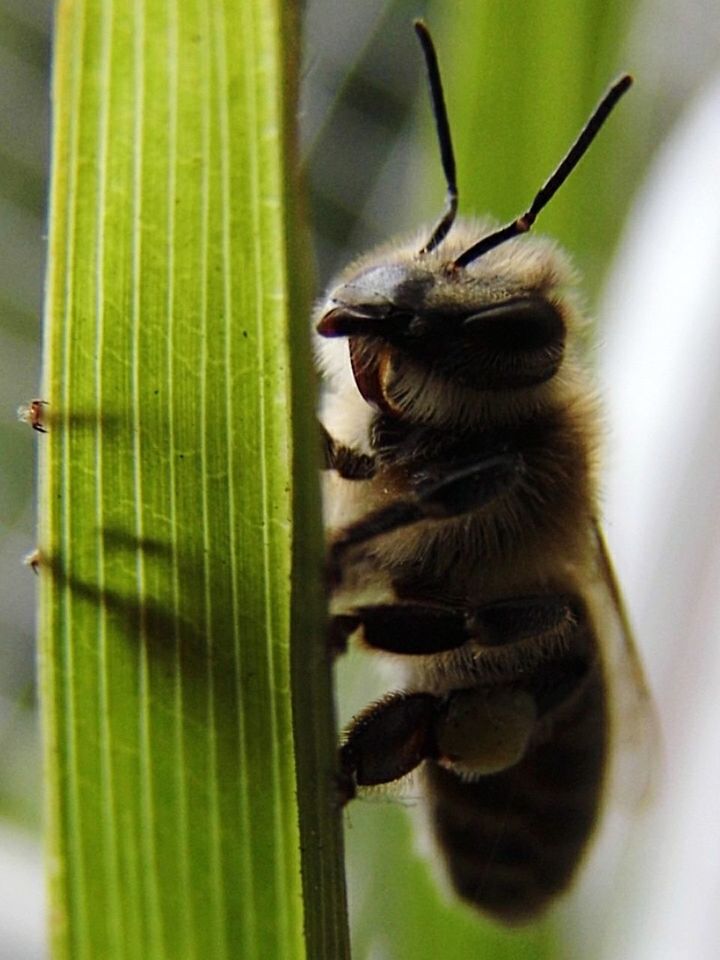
x=167 y=492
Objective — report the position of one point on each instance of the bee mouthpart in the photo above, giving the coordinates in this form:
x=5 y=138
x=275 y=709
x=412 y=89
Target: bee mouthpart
x=345 y=321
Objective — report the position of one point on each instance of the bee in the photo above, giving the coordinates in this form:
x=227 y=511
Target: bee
x=461 y=435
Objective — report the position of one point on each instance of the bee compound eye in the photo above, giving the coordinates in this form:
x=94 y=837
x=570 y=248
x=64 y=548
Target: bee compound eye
x=485 y=730
x=516 y=326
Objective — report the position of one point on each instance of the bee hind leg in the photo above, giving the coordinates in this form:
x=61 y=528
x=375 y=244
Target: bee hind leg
x=388 y=740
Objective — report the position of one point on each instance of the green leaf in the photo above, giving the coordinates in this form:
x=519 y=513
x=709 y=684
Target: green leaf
x=174 y=530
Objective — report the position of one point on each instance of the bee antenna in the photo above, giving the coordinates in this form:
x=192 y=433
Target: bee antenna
x=442 y=126
x=556 y=179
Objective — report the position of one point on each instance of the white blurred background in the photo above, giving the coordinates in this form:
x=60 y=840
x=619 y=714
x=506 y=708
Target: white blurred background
x=661 y=371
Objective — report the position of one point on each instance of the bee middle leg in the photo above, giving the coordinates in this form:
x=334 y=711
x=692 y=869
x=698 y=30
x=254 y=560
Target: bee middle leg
x=458 y=491
x=423 y=629
x=408 y=628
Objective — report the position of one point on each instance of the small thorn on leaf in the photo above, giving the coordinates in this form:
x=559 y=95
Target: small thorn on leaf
x=32 y=413
x=33 y=560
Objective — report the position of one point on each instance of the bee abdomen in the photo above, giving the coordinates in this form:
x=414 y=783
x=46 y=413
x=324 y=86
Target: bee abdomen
x=512 y=841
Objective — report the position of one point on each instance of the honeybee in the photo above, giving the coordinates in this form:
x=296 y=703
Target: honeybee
x=461 y=433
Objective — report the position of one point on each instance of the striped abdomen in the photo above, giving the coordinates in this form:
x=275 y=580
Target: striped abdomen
x=513 y=840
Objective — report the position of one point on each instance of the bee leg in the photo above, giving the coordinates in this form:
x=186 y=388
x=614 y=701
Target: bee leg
x=410 y=628
x=388 y=740
x=558 y=626
x=504 y=622
x=349 y=463
x=458 y=492
x=420 y=629
x=340 y=629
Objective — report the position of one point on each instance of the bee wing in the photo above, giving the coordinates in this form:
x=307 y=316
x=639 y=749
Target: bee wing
x=634 y=724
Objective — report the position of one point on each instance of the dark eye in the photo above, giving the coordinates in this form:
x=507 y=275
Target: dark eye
x=516 y=326
x=502 y=346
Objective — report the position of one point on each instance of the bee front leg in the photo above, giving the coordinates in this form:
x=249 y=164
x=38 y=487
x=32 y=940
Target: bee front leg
x=388 y=740
x=349 y=463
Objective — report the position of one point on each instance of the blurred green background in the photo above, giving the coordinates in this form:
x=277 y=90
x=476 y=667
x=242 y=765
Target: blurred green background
x=24 y=112
x=520 y=79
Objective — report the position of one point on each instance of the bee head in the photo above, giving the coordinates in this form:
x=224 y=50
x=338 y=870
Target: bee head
x=460 y=308
x=485 y=328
